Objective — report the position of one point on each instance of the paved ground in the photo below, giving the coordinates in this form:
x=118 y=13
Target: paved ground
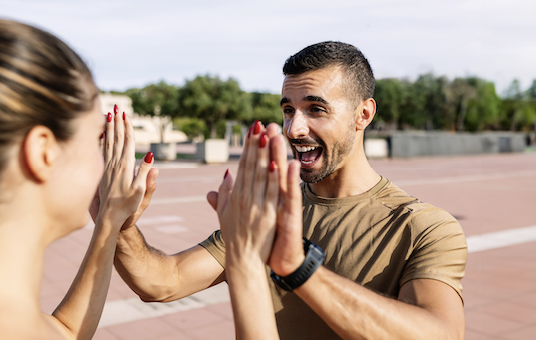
x=487 y=194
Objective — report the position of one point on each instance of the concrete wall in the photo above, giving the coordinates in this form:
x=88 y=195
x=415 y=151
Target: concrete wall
x=424 y=143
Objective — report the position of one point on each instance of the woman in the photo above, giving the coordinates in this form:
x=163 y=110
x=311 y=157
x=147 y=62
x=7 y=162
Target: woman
x=50 y=166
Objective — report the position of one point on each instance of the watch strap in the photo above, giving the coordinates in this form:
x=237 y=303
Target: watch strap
x=314 y=258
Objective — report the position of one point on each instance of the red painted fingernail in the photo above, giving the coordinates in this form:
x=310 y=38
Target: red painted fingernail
x=109 y=117
x=226 y=173
x=262 y=141
x=116 y=109
x=249 y=133
x=272 y=166
x=102 y=135
x=123 y=116
x=257 y=127
x=148 y=157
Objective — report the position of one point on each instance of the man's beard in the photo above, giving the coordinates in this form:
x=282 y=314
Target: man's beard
x=330 y=159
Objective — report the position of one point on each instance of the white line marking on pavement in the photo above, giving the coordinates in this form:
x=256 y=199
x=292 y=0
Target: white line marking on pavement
x=122 y=311
x=469 y=178
x=174 y=200
x=428 y=181
x=143 y=221
x=500 y=239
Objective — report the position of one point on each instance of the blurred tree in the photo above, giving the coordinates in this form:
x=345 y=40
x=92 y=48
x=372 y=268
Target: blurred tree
x=483 y=111
x=425 y=107
x=264 y=107
x=514 y=91
x=156 y=100
x=518 y=111
x=212 y=100
x=458 y=93
x=391 y=96
x=192 y=127
x=531 y=92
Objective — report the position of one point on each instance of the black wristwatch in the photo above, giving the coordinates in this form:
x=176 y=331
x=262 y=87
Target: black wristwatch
x=314 y=258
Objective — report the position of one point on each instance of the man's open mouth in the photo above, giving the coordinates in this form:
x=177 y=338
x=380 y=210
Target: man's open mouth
x=308 y=154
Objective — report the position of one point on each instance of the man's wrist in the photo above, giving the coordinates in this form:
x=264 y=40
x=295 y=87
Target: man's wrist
x=314 y=258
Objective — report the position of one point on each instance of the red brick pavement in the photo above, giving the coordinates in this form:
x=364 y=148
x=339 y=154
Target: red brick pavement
x=486 y=193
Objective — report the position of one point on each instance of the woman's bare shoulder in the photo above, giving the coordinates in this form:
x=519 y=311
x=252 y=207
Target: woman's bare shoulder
x=20 y=321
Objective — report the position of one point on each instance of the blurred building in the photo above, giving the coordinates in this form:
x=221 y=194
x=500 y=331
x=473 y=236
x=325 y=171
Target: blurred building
x=146 y=128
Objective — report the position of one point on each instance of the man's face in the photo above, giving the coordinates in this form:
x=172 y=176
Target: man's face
x=319 y=121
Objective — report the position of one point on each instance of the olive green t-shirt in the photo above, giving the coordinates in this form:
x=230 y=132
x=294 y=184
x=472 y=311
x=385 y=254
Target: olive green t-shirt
x=380 y=239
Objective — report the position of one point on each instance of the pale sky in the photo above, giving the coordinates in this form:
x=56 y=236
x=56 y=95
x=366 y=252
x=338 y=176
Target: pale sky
x=130 y=43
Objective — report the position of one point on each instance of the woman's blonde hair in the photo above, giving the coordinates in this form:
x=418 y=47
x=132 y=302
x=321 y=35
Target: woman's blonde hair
x=42 y=82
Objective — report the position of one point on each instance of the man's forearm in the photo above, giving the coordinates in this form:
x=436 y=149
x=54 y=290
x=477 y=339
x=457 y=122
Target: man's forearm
x=155 y=276
x=355 y=312
x=149 y=272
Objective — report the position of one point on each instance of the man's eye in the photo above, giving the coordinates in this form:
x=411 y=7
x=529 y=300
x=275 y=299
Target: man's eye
x=317 y=109
x=288 y=110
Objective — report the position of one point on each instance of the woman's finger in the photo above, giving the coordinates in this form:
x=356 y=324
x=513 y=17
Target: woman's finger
x=119 y=133
x=261 y=169
x=109 y=139
x=250 y=160
x=242 y=162
x=128 y=158
x=272 y=187
x=278 y=153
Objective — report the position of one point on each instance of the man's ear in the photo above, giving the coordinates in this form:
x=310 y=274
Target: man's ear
x=40 y=152
x=365 y=113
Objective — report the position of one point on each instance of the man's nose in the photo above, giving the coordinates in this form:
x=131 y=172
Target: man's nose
x=297 y=127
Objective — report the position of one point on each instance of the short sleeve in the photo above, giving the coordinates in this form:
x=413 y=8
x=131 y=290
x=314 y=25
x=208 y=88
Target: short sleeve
x=439 y=249
x=215 y=246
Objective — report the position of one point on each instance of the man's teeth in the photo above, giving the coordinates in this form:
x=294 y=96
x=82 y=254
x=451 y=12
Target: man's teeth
x=304 y=148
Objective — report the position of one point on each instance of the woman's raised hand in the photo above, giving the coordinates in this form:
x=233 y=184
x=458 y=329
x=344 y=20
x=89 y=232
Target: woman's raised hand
x=247 y=210
x=121 y=190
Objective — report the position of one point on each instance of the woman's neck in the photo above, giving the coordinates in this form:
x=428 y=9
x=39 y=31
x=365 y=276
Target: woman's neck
x=23 y=241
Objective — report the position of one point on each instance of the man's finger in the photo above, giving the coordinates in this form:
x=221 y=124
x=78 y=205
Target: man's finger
x=150 y=187
x=224 y=192
x=212 y=198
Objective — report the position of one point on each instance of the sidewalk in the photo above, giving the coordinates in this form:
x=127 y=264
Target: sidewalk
x=486 y=193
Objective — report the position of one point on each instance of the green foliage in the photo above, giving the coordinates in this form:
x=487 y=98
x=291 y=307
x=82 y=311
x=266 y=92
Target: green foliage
x=155 y=99
x=264 y=107
x=212 y=100
x=391 y=97
x=192 y=127
x=483 y=109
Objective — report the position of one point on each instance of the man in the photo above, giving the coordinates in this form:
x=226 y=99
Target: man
x=393 y=264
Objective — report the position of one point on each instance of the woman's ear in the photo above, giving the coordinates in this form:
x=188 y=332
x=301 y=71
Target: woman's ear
x=40 y=151
x=365 y=113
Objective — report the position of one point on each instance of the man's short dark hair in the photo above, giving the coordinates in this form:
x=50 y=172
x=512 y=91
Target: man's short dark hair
x=357 y=73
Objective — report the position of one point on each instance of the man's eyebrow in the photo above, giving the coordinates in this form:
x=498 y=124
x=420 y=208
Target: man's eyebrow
x=316 y=99
x=284 y=100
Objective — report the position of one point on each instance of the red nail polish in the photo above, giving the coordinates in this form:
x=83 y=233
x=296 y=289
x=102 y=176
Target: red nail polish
x=257 y=127
x=102 y=135
x=123 y=116
x=116 y=109
x=249 y=133
x=109 y=117
x=226 y=173
x=272 y=166
x=148 y=157
x=262 y=141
